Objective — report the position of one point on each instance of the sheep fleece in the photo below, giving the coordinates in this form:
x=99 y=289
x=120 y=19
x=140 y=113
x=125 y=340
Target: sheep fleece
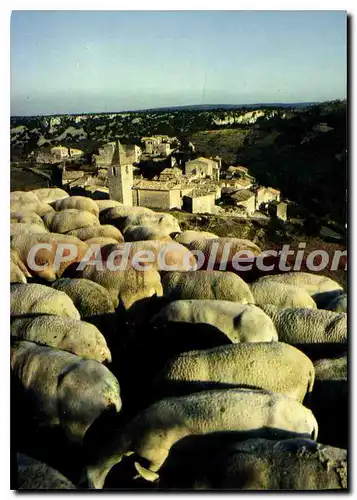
x=71 y=392
x=207 y=285
x=152 y=432
x=77 y=337
x=31 y=298
x=240 y=322
x=272 y=366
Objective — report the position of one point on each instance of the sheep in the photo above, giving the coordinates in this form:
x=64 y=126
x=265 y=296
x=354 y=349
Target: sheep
x=27 y=228
x=68 y=249
x=18 y=272
x=37 y=207
x=221 y=251
x=187 y=237
x=77 y=202
x=25 y=217
x=35 y=475
x=102 y=241
x=331 y=369
x=126 y=287
x=206 y=285
x=281 y=295
x=23 y=197
x=50 y=195
x=162 y=222
x=290 y=464
x=68 y=392
x=338 y=304
x=162 y=255
x=272 y=366
x=77 y=337
x=303 y=326
x=105 y=204
x=148 y=232
x=312 y=283
x=241 y=323
x=117 y=215
x=96 y=231
x=67 y=220
x=153 y=431
x=88 y=297
x=34 y=299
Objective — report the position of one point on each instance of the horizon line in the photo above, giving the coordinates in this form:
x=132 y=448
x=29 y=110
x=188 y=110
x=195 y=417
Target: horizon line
x=184 y=106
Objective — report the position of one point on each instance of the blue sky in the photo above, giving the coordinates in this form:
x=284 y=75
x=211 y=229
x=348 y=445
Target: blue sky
x=93 y=61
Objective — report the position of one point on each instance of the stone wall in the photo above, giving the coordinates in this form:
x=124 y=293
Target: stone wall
x=163 y=199
x=249 y=204
x=200 y=204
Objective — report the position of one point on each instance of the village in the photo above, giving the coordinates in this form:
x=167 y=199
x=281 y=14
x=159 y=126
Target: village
x=185 y=182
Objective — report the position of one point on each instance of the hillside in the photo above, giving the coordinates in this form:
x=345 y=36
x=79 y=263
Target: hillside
x=300 y=150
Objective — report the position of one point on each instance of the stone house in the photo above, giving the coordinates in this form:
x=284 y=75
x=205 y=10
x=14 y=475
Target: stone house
x=235 y=184
x=156 y=194
x=266 y=195
x=158 y=144
x=105 y=155
x=245 y=198
x=278 y=209
x=59 y=152
x=198 y=202
x=164 y=149
x=203 y=168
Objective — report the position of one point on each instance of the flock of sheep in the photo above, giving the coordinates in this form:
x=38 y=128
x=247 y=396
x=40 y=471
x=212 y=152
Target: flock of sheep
x=148 y=378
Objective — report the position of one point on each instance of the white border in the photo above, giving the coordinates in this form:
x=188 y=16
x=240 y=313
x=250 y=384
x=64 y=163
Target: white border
x=6 y=8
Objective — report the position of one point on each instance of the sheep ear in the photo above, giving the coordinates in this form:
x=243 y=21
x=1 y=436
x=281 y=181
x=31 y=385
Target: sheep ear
x=147 y=474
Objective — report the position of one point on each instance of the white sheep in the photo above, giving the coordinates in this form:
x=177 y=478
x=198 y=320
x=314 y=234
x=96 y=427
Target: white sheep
x=77 y=337
x=97 y=231
x=240 y=322
x=77 y=202
x=305 y=326
x=206 y=285
x=67 y=220
x=312 y=283
x=33 y=299
x=281 y=294
x=49 y=195
x=186 y=237
x=152 y=433
x=68 y=391
x=272 y=366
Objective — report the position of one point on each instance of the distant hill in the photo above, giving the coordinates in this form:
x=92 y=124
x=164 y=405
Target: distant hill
x=210 y=107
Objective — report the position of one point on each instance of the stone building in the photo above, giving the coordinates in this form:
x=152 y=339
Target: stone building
x=164 y=149
x=158 y=144
x=245 y=198
x=105 y=155
x=266 y=195
x=203 y=168
x=199 y=201
x=156 y=194
x=120 y=183
x=59 y=152
x=278 y=209
x=235 y=184
x=115 y=152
